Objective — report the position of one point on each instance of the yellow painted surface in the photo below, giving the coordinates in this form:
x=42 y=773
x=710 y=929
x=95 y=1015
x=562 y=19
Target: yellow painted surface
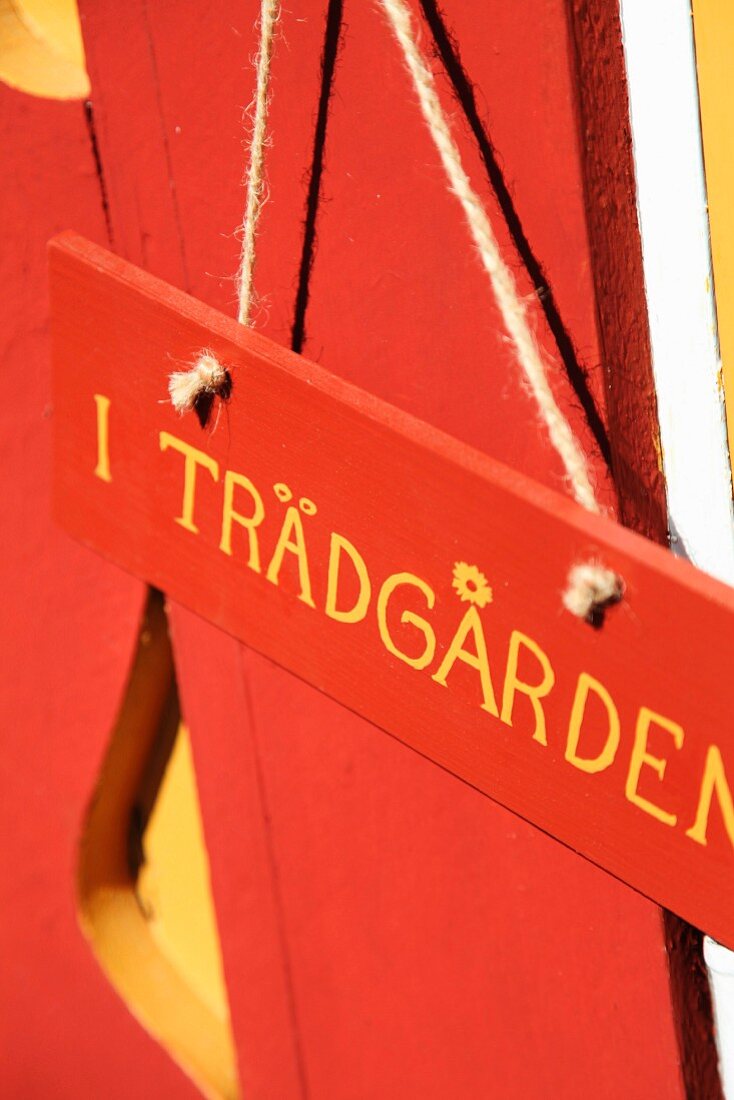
x=41 y=50
x=713 y=22
x=155 y=936
x=173 y=885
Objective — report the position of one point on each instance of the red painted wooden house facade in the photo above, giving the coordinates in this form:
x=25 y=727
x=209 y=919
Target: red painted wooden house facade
x=385 y=930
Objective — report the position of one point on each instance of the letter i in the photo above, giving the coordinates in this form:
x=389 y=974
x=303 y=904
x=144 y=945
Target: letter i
x=102 y=469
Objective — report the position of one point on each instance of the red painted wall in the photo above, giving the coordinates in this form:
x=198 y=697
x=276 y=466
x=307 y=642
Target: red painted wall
x=386 y=930
x=68 y=625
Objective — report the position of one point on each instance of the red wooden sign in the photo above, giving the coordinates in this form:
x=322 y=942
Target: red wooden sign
x=413 y=579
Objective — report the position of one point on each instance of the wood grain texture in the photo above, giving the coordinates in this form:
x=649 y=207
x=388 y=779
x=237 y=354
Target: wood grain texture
x=69 y=623
x=412 y=503
x=415 y=956
x=609 y=179
x=173 y=210
x=415 y=332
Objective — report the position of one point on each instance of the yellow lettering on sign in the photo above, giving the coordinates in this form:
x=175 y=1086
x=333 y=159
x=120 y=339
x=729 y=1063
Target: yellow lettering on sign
x=714 y=779
x=534 y=692
x=292 y=525
x=641 y=757
x=603 y=759
x=193 y=458
x=392 y=583
x=470 y=624
x=102 y=469
x=250 y=523
x=338 y=548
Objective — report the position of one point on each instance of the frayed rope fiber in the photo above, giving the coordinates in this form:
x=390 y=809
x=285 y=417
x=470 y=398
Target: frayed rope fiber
x=196 y=389
x=591 y=586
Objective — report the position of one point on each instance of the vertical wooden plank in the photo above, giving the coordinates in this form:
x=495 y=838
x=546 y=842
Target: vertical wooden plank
x=609 y=180
x=175 y=211
x=395 y=204
x=713 y=27
x=70 y=622
x=421 y=929
x=383 y=950
x=714 y=39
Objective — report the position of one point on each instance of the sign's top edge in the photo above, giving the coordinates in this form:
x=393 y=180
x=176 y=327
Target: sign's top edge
x=70 y=245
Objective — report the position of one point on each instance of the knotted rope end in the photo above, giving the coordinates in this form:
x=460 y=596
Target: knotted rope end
x=592 y=588
x=198 y=387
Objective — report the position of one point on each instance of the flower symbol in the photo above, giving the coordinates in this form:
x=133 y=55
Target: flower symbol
x=471 y=584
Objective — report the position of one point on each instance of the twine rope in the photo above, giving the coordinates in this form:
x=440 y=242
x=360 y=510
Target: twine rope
x=196 y=388
x=591 y=586
x=255 y=178
x=511 y=306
